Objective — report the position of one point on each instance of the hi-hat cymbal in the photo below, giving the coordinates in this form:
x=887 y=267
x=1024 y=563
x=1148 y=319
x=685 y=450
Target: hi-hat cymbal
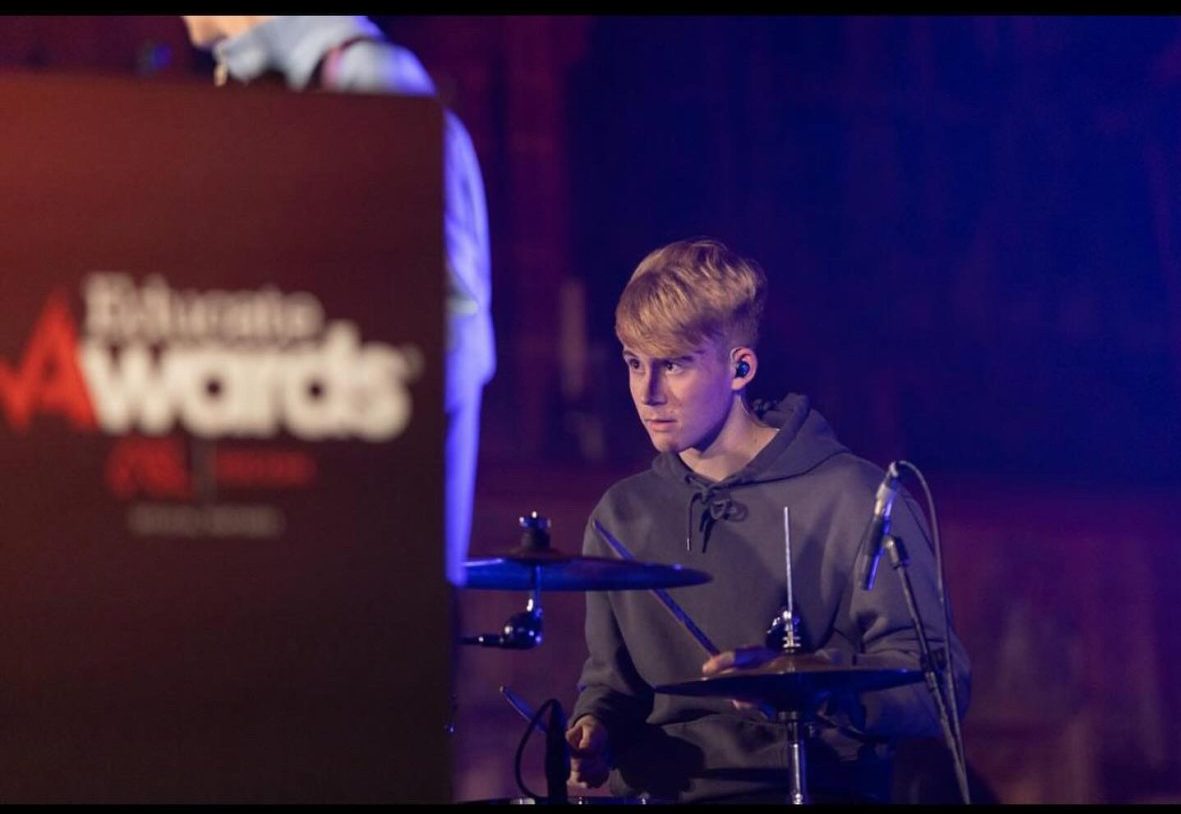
x=524 y=569
x=793 y=682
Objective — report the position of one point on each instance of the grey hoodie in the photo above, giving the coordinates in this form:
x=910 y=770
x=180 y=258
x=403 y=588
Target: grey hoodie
x=681 y=748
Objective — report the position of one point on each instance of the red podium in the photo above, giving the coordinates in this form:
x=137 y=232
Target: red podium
x=221 y=548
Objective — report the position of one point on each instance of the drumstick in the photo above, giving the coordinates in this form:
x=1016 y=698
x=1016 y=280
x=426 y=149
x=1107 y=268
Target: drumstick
x=523 y=709
x=661 y=594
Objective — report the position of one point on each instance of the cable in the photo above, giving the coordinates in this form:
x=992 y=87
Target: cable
x=534 y=722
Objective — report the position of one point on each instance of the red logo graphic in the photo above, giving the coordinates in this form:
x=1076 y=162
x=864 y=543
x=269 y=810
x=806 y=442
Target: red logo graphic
x=48 y=379
x=153 y=466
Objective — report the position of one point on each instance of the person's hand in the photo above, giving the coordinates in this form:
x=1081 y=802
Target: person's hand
x=589 y=764
x=207 y=30
x=749 y=658
x=741 y=658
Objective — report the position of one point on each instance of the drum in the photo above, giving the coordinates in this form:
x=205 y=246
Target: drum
x=574 y=801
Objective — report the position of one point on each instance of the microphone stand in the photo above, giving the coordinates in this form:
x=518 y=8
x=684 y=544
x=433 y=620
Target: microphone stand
x=899 y=560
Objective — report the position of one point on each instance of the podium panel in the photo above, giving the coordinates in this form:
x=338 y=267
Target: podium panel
x=221 y=546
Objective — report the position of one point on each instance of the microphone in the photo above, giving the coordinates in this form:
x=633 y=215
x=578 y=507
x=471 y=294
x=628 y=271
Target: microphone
x=557 y=756
x=879 y=527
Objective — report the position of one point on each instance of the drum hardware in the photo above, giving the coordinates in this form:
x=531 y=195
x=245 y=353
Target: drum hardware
x=791 y=688
x=784 y=632
x=642 y=800
x=522 y=631
x=533 y=719
x=784 y=635
x=793 y=685
x=535 y=566
x=794 y=682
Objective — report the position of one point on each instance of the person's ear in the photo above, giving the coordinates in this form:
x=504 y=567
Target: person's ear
x=746 y=363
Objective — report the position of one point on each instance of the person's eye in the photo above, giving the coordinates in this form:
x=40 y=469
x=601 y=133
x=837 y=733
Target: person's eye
x=672 y=367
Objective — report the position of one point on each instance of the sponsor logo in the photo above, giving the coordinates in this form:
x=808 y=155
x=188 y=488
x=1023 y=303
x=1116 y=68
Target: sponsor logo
x=215 y=364
x=150 y=365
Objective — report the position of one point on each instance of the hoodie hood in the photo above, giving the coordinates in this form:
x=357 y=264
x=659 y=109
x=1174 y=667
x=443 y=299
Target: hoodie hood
x=803 y=441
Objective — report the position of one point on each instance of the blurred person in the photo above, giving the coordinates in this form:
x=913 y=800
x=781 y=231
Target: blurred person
x=713 y=500
x=352 y=54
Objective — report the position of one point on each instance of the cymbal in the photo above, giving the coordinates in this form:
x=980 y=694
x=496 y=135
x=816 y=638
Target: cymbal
x=554 y=571
x=793 y=682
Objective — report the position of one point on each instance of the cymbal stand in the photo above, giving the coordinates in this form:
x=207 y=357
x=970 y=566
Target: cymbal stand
x=786 y=626
x=522 y=631
x=785 y=629
x=785 y=632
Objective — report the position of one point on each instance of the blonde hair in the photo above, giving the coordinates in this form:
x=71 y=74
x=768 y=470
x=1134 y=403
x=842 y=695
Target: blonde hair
x=688 y=293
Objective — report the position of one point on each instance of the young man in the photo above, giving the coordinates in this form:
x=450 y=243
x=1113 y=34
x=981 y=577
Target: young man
x=714 y=500
x=352 y=54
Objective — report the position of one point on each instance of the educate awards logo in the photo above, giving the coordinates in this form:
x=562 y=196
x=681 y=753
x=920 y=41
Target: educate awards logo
x=205 y=391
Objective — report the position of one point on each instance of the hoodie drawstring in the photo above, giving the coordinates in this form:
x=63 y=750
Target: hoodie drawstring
x=718 y=505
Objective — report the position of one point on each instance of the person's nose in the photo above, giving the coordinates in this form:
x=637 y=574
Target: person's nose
x=653 y=387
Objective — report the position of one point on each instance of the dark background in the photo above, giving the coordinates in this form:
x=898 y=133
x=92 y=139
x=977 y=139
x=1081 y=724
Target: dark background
x=973 y=233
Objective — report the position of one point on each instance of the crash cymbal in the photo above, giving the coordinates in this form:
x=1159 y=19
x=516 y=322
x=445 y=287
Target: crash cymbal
x=524 y=569
x=793 y=682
